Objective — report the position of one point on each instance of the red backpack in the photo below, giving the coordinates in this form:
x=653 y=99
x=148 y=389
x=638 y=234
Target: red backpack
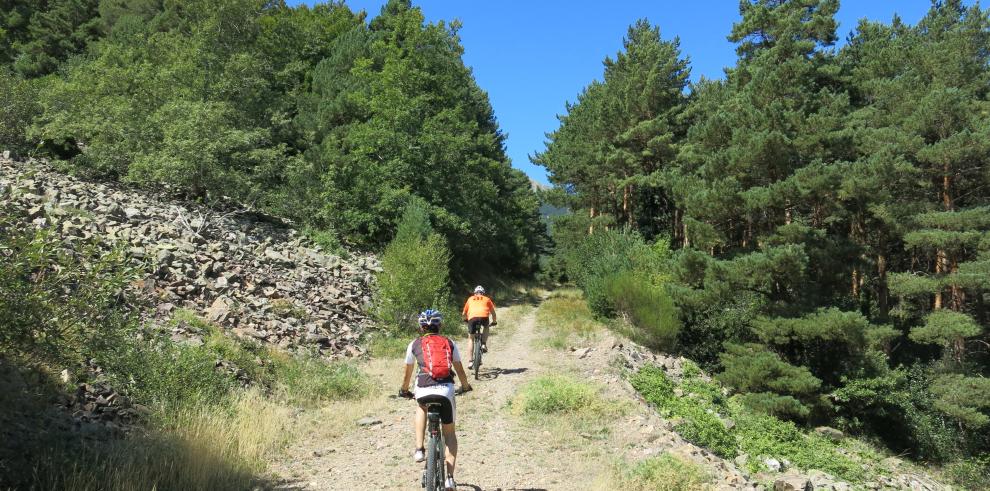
x=438 y=355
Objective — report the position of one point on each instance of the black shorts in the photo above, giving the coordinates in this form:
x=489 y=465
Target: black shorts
x=446 y=408
x=476 y=323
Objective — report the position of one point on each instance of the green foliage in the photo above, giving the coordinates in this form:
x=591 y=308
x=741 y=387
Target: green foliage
x=648 y=307
x=699 y=410
x=398 y=114
x=664 y=473
x=699 y=415
x=943 y=327
x=752 y=368
x=766 y=435
x=965 y=399
x=555 y=394
x=58 y=305
x=898 y=405
x=971 y=473
x=41 y=35
x=827 y=210
x=415 y=273
x=18 y=105
x=167 y=376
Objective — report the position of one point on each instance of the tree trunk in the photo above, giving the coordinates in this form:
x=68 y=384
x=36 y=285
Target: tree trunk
x=958 y=295
x=939 y=269
x=591 y=225
x=855 y=282
x=883 y=302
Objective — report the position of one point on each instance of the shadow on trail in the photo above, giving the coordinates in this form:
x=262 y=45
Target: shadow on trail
x=474 y=487
x=494 y=373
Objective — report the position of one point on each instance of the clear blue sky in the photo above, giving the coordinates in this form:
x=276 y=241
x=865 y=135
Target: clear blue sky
x=532 y=56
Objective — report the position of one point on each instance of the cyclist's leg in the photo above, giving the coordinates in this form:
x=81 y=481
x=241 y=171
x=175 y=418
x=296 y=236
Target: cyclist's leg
x=450 y=437
x=419 y=425
x=484 y=335
x=472 y=325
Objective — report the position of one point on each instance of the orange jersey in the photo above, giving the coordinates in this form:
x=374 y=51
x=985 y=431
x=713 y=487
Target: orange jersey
x=478 y=306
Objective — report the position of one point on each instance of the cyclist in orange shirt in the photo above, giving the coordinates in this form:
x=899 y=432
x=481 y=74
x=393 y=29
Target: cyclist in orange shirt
x=476 y=311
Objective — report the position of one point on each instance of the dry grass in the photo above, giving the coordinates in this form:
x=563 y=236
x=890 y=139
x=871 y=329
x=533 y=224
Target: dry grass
x=666 y=472
x=566 y=320
x=199 y=448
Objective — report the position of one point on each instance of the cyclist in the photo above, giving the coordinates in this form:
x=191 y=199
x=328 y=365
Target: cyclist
x=476 y=311
x=438 y=350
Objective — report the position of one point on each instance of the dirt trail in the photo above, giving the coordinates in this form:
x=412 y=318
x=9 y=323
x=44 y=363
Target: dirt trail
x=498 y=450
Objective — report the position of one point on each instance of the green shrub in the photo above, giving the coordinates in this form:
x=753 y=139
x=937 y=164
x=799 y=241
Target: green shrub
x=766 y=435
x=647 y=306
x=415 y=272
x=299 y=379
x=555 y=394
x=59 y=306
x=312 y=381
x=664 y=473
x=157 y=372
x=973 y=473
x=698 y=412
x=18 y=106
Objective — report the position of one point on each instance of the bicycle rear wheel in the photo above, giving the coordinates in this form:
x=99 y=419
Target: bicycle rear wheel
x=435 y=463
x=477 y=356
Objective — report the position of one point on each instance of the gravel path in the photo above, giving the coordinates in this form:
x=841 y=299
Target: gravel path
x=498 y=450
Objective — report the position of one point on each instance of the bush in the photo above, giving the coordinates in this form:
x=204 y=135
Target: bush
x=698 y=411
x=702 y=406
x=59 y=306
x=415 y=272
x=555 y=394
x=664 y=473
x=766 y=435
x=971 y=473
x=647 y=306
x=18 y=106
x=298 y=379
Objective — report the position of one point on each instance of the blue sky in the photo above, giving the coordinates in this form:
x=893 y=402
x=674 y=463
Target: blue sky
x=532 y=56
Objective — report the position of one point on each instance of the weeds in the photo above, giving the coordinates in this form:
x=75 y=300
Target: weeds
x=664 y=473
x=567 y=319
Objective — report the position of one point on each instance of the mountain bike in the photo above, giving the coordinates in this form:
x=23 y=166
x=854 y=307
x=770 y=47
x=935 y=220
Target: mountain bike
x=477 y=337
x=435 y=473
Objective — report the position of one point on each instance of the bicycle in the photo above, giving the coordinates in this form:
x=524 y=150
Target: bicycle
x=476 y=336
x=435 y=472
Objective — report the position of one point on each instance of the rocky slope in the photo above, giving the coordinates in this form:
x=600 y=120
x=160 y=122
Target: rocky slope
x=243 y=271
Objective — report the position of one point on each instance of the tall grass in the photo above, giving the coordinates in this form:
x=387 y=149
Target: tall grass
x=566 y=319
x=199 y=447
x=663 y=473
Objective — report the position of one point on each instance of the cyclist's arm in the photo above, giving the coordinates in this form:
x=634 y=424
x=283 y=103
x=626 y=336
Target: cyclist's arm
x=406 y=377
x=459 y=368
x=492 y=305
